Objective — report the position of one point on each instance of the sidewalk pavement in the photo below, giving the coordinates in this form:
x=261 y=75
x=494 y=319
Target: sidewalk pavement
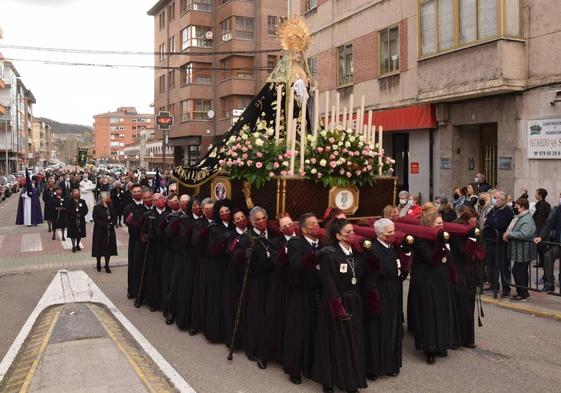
x=538 y=304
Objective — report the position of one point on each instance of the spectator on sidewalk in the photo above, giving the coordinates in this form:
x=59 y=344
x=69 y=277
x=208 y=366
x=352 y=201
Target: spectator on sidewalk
x=520 y=230
x=543 y=209
x=553 y=223
x=403 y=203
x=445 y=209
x=482 y=185
x=498 y=220
x=415 y=209
x=471 y=198
x=483 y=208
x=459 y=197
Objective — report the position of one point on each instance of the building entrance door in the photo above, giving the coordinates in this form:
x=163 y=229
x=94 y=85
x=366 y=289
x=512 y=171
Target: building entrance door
x=400 y=153
x=488 y=152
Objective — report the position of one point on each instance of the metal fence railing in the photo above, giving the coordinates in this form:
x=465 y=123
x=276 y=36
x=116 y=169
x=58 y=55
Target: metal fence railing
x=521 y=265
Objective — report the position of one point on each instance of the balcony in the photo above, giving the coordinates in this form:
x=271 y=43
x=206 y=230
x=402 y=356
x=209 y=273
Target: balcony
x=237 y=86
x=494 y=67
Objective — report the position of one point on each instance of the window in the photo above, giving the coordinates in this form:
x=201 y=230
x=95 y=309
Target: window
x=271 y=62
x=171 y=11
x=310 y=5
x=272 y=25
x=194 y=36
x=389 y=50
x=313 y=66
x=162 y=51
x=450 y=24
x=171 y=79
x=195 y=109
x=244 y=27
x=171 y=44
x=345 y=65
x=162 y=19
x=162 y=81
x=226 y=30
x=193 y=154
x=195 y=5
x=199 y=74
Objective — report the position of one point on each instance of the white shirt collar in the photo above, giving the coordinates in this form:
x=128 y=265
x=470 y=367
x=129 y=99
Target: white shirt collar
x=347 y=252
x=240 y=231
x=226 y=224
x=289 y=237
x=259 y=232
x=138 y=203
x=196 y=217
x=383 y=243
x=312 y=242
x=160 y=211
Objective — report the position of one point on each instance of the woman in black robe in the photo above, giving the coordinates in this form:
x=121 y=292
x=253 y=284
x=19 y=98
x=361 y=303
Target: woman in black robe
x=431 y=307
x=104 y=240
x=219 y=231
x=339 y=349
x=233 y=276
x=119 y=200
x=48 y=195
x=57 y=205
x=76 y=210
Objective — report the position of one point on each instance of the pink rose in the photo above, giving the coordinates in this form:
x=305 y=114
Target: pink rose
x=349 y=163
x=229 y=163
x=349 y=174
x=250 y=146
x=244 y=149
x=221 y=162
x=332 y=164
x=276 y=165
x=344 y=150
x=320 y=149
x=342 y=172
x=258 y=165
x=271 y=174
x=244 y=156
x=259 y=154
x=290 y=173
x=249 y=162
x=369 y=167
x=327 y=148
x=319 y=175
x=332 y=157
x=283 y=173
x=331 y=140
x=313 y=160
x=301 y=173
x=358 y=172
x=335 y=153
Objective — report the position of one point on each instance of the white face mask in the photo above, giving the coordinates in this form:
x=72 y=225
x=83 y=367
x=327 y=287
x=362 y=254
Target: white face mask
x=403 y=201
x=493 y=201
x=476 y=180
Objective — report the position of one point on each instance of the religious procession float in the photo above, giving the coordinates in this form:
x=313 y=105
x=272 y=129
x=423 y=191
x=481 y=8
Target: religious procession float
x=283 y=155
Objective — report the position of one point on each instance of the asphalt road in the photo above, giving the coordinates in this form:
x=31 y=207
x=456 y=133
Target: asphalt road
x=515 y=353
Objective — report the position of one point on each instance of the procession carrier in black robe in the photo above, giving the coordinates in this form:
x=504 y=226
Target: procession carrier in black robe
x=304 y=293
x=104 y=241
x=198 y=258
x=133 y=215
x=76 y=211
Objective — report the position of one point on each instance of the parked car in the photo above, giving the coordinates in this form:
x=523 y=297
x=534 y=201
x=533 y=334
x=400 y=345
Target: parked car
x=13 y=183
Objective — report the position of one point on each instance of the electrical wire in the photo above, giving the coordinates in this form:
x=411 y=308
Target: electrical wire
x=199 y=52
x=81 y=64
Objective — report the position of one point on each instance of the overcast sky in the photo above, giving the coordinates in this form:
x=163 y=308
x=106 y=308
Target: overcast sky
x=74 y=94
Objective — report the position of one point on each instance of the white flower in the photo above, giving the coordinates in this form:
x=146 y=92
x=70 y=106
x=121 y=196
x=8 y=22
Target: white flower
x=360 y=144
x=244 y=136
x=259 y=142
x=349 y=131
x=256 y=134
x=323 y=162
x=335 y=147
x=323 y=133
x=340 y=143
x=285 y=163
x=270 y=132
x=307 y=161
x=232 y=139
x=352 y=138
x=314 y=171
x=347 y=144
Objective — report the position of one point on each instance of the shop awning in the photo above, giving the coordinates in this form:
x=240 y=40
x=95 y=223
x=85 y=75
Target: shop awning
x=408 y=118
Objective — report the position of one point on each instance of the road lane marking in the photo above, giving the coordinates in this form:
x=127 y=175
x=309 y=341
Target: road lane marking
x=31 y=242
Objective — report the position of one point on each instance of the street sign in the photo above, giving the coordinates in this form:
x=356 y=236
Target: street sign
x=164 y=120
x=415 y=168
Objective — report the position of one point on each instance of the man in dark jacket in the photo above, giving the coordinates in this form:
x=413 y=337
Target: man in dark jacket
x=553 y=223
x=482 y=185
x=543 y=209
x=498 y=220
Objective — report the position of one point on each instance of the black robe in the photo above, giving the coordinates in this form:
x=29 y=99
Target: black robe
x=254 y=305
x=104 y=240
x=58 y=206
x=167 y=259
x=431 y=308
x=198 y=258
x=133 y=215
x=119 y=200
x=277 y=302
x=50 y=212
x=218 y=235
x=170 y=273
x=339 y=349
x=185 y=275
x=304 y=295
x=233 y=277
x=76 y=218
x=464 y=289
x=383 y=311
x=152 y=237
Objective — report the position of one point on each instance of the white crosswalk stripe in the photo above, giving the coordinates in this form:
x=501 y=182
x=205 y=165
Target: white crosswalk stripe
x=31 y=242
x=67 y=243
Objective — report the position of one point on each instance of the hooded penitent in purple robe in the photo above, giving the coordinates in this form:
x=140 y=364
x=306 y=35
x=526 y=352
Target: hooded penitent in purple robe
x=36 y=215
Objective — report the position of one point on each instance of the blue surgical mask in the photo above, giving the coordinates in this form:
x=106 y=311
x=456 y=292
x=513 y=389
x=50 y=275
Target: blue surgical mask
x=493 y=201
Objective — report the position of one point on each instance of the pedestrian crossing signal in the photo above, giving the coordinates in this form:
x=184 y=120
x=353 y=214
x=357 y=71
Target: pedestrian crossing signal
x=164 y=120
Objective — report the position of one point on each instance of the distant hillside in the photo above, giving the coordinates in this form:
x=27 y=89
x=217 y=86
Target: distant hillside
x=66 y=128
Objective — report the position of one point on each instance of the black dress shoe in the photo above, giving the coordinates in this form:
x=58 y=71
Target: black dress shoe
x=431 y=359
x=262 y=364
x=107 y=269
x=98 y=267
x=73 y=249
x=53 y=236
x=295 y=379
x=170 y=320
x=327 y=389
x=192 y=332
x=371 y=377
x=129 y=296
x=78 y=248
x=393 y=374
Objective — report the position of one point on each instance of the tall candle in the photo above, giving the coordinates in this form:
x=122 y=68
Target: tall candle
x=369 y=127
x=337 y=103
x=293 y=146
x=332 y=125
x=316 y=115
x=326 y=124
x=289 y=119
x=344 y=118
x=303 y=132
x=360 y=116
x=351 y=105
x=380 y=141
x=278 y=114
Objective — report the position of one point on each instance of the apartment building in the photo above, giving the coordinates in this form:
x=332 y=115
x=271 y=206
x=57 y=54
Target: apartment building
x=16 y=114
x=41 y=141
x=460 y=86
x=215 y=56
x=114 y=130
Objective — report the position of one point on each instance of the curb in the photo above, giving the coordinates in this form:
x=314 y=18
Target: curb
x=537 y=312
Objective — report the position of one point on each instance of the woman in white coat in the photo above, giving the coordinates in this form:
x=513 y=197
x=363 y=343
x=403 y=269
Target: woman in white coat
x=86 y=191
